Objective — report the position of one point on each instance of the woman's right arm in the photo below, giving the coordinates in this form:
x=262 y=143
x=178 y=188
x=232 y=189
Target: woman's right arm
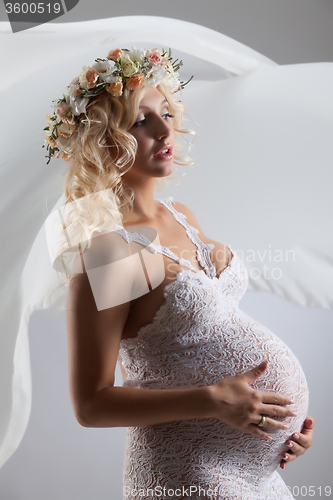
x=93 y=344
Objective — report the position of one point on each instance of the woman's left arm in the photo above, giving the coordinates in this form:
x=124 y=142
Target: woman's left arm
x=299 y=443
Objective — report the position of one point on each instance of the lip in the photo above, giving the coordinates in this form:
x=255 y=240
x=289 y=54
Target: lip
x=164 y=156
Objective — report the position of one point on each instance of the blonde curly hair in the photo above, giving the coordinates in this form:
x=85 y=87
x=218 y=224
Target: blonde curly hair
x=101 y=151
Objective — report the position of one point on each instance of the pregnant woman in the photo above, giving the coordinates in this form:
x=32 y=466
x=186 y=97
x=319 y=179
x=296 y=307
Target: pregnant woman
x=212 y=400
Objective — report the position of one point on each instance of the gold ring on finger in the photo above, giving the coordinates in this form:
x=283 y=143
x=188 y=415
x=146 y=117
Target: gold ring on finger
x=263 y=421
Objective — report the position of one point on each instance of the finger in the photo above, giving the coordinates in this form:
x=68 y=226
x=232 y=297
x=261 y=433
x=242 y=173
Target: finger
x=283 y=464
x=277 y=411
x=275 y=398
x=303 y=440
x=256 y=372
x=274 y=424
x=296 y=450
x=308 y=425
x=286 y=459
x=299 y=444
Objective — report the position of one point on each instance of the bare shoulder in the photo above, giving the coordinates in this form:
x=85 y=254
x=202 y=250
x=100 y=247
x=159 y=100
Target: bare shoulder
x=97 y=270
x=220 y=254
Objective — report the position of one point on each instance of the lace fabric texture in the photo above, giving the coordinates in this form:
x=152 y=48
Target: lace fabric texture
x=198 y=337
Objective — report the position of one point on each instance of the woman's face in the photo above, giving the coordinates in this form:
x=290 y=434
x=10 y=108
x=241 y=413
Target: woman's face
x=155 y=136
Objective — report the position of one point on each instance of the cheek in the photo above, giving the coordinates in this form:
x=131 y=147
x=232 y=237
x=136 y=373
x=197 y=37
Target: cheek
x=142 y=147
x=142 y=151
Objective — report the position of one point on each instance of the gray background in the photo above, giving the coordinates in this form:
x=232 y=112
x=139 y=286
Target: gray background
x=58 y=459
x=287 y=31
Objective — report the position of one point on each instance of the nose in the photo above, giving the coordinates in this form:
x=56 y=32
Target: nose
x=162 y=129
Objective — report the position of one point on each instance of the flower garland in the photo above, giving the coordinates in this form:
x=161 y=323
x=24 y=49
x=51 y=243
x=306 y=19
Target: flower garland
x=134 y=68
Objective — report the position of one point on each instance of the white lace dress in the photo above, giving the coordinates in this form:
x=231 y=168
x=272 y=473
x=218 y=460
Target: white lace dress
x=198 y=337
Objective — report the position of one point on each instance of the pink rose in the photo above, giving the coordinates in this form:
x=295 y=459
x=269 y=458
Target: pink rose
x=116 y=88
x=156 y=59
x=136 y=81
x=77 y=91
x=62 y=109
x=91 y=78
x=114 y=55
x=65 y=114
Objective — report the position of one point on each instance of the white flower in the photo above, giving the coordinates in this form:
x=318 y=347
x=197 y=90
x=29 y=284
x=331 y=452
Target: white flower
x=74 y=100
x=128 y=66
x=82 y=79
x=171 y=82
x=138 y=55
x=155 y=76
x=105 y=70
x=79 y=105
x=88 y=77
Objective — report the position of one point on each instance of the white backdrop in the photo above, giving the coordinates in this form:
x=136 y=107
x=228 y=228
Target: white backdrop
x=265 y=129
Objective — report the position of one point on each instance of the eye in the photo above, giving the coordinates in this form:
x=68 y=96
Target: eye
x=140 y=123
x=167 y=115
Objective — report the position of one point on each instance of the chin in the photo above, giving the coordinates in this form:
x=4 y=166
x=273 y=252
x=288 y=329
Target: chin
x=164 y=171
x=168 y=172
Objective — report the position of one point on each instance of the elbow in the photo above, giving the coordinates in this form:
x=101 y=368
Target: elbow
x=82 y=418
x=93 y=411
x=84 y=415
x=83 y=422
x=91 y=415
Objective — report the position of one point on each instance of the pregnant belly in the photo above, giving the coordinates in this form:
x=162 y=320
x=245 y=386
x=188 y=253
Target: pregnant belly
x=246 y=343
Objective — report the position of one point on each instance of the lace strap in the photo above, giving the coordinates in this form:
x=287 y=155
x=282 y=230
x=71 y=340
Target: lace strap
x=203 y=249
x=151 y=247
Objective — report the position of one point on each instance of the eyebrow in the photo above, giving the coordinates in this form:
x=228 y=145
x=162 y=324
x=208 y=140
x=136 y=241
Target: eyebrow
x=147 y=107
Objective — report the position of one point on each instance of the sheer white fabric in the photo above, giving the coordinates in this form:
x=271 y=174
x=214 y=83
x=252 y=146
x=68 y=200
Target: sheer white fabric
x=198 y=337
x=270 y=122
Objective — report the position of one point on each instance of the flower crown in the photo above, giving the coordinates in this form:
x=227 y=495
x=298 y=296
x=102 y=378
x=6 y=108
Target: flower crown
x=134 y=68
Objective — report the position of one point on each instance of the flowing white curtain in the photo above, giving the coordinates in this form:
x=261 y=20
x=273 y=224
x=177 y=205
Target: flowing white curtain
x=261 y=182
